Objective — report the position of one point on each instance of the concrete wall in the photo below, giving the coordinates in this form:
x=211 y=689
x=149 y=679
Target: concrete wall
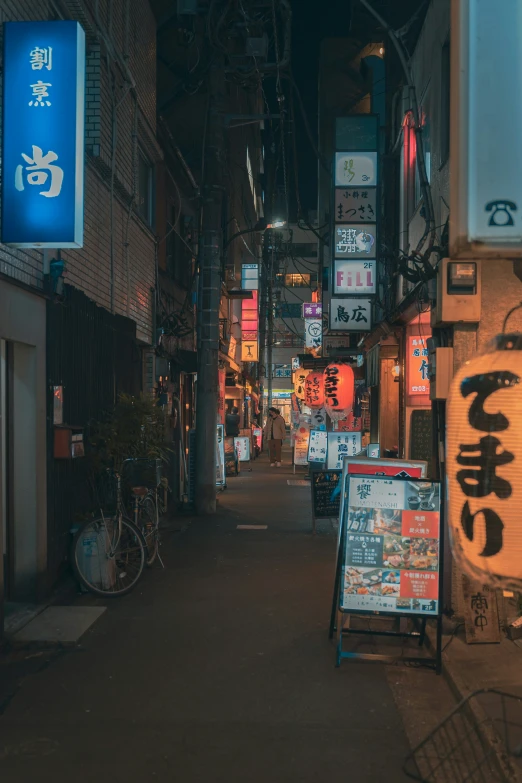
x=23 y=324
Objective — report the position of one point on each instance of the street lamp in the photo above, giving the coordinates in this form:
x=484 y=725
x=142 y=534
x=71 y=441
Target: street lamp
x=261 y=225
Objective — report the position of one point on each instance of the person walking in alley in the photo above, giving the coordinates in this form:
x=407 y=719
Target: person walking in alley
x=275 y=431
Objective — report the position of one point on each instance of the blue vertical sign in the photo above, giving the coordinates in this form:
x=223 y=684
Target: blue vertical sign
x=43 y=134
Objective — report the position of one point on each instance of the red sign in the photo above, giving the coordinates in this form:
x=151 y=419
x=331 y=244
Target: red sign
x=350 y=424
x=418 y=384
x=419 y=584
x=368 y=469
x=421 y=524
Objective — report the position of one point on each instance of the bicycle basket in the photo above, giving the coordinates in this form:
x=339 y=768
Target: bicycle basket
x=468 y=746
x=142 y=473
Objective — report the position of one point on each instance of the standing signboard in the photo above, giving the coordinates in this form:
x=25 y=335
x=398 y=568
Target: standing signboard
x=317 y=446
x=341 y=445
x=43 y=134
x=242 y=446
x=221 y=479
x=389 y=559
x=302 y=437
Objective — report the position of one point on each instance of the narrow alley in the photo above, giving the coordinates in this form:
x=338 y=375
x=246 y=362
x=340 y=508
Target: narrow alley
x=217 y=668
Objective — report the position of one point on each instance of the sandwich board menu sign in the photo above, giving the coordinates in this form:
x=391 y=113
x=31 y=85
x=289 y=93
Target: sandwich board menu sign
x=401 y=468
x=389 y=559
x=326 y=494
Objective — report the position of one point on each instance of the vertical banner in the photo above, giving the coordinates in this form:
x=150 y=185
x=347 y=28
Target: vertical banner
x=221 y=395
x=356 y=222
x=43 y=134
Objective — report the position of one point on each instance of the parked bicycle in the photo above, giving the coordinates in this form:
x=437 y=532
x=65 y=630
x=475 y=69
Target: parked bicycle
x=109 y=553
x=148 y=507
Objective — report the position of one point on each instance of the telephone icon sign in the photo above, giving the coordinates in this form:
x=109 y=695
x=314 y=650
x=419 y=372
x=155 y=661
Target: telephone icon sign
x=501 y=213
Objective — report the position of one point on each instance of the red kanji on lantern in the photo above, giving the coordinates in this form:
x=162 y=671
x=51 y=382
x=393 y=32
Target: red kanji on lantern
x=338 y=390
x=314 y=390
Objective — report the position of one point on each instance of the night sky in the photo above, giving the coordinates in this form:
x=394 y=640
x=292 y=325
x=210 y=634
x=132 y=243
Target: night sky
x=312 y=21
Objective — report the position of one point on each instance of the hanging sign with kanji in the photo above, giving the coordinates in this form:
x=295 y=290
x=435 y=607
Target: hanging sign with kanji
x=350 y=314
x=355 y=205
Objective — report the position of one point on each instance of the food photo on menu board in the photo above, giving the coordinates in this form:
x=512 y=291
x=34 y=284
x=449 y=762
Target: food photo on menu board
x=391 y=546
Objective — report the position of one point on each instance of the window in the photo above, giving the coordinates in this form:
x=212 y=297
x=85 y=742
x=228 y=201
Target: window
x=305 y=249
x=445 y=103
x=145 y=192
x=297 y=280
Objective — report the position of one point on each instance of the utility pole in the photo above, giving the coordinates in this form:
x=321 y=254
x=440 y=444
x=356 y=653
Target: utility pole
x=210 y=294
x=270 y=331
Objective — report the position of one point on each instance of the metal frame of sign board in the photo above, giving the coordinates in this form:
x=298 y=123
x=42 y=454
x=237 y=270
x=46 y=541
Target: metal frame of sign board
x=434 y=662
x=316 y=467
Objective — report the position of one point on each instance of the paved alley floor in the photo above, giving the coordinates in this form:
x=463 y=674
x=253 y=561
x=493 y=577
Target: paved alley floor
x=217 y=669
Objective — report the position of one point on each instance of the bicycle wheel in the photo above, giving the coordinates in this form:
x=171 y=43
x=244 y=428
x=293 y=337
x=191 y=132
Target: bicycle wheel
x=106 y=561
x=148 y=524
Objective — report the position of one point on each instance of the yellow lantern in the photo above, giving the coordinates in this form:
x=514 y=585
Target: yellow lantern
x=484 y=461
x=299 y=383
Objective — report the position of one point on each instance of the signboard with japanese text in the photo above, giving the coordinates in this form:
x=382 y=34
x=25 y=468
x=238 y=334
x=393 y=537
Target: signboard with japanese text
x=250 y=277
x=326 y=494
x=43 y=134
x=318 y=418
x=312 y=310
x=341 y=445
x=299 y=379
x=350 y=315
x=354 y=277
x=350 y=424
x=313 y=336
x=374 y=466
x=355 y=169
x=332 y=344
x=301 y=439
x=418 y=384
x=317 y=446
x=295 y=363
x=221 y=479
x=391 y=542
x=249 y=351
x=481 y=621
x=282 y=371
x=355 y=205
x=242 y=447
x=352 y=241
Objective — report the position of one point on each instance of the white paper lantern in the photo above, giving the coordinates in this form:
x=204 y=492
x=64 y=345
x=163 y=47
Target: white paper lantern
x=484 y=464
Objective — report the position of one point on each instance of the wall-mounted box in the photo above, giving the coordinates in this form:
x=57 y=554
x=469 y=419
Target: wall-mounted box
x=68 y=442
x=440 y=371
x=459 y=292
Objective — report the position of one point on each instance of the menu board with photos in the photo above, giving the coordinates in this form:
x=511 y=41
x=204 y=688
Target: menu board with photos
x=391 y=546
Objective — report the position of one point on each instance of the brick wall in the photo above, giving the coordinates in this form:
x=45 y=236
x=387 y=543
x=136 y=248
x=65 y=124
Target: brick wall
x=133 y=39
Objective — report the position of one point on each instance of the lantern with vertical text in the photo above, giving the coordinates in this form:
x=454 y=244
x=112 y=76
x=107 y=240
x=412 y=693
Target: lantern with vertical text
x=314 y=390
x=484 y=456
x=338 y=390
